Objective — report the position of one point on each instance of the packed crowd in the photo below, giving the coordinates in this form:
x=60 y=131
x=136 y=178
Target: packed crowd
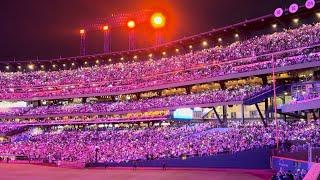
x=122 y=145
x=209 y=63
x=311 y=92
x=289 y=175
x=213 y=96
x=86 y=119
x=305 y=99
x=4 y=129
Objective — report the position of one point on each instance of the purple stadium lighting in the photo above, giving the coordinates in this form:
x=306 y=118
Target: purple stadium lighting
x=310 y=4
x=131 y=25
x=293 y=8
x=278 y=12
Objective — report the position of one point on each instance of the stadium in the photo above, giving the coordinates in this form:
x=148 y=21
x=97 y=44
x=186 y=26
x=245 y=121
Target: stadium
x=240 y=101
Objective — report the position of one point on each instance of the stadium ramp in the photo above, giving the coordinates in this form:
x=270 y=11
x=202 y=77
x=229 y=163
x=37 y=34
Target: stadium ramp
x=301 y=106
x=313 y=173
x=266 y=94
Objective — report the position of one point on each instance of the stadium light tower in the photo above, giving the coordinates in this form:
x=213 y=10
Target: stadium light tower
x=82 y=42
x=131 y=25
x=111 y=23
x=107 y=39
x=158 y=22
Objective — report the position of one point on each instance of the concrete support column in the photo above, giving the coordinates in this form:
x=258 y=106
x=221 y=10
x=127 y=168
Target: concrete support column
x=266 y=110
x=224 y=116
x=242 y=114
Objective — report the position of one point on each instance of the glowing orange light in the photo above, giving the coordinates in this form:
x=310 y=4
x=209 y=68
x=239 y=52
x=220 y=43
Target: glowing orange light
x=204 y=43
x=82 y=31
x=131 y=24
x=158 y=20
x=274 y=26
x=31 y=66
x=105 y=28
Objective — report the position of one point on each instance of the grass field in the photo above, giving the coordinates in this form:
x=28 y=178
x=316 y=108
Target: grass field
x=38 y=172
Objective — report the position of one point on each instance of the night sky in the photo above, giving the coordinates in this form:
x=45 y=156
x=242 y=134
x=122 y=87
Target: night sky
x=50 y=28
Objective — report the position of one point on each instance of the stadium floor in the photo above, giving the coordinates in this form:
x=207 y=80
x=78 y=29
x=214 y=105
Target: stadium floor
x=38 y=172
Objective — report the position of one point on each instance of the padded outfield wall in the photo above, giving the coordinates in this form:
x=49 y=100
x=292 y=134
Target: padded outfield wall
x=251 y=159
